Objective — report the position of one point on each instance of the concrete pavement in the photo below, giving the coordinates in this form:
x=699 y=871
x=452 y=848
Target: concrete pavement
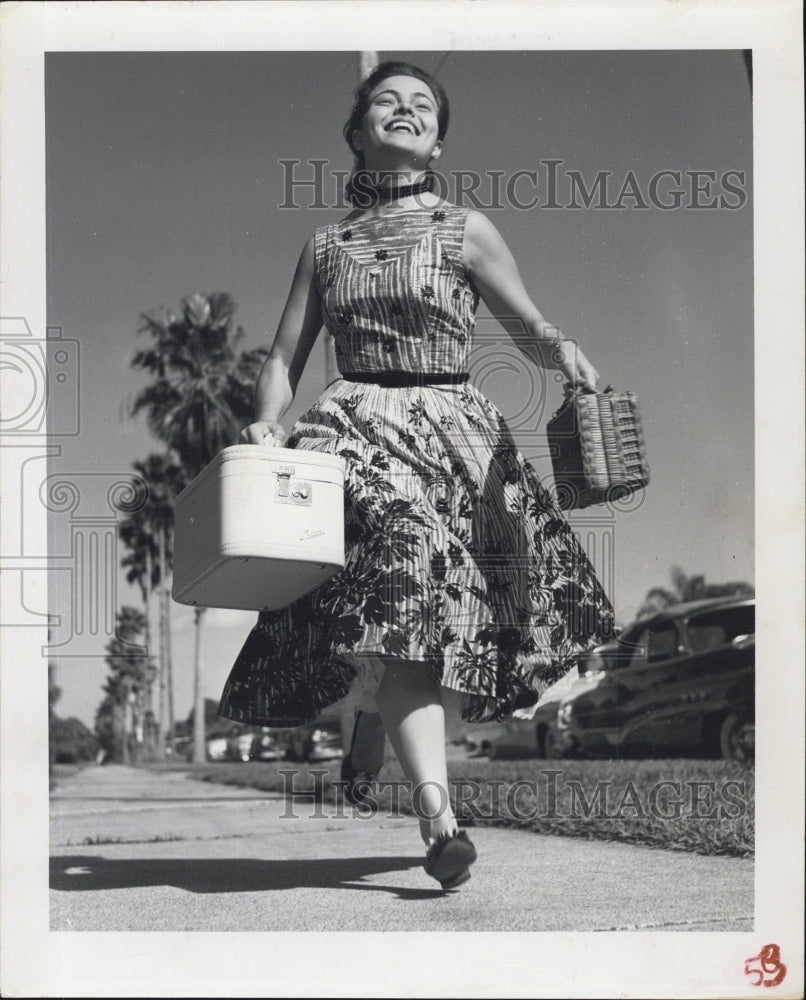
x=134 y=850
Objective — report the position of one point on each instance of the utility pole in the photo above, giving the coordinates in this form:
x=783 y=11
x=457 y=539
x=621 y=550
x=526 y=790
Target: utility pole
x=367 y=61
x=199 y=740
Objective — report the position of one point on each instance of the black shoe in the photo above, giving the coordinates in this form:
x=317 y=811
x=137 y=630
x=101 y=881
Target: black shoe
x=449 y=858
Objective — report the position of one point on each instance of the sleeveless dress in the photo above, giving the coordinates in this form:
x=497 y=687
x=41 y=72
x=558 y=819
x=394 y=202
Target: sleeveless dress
x=455 y=553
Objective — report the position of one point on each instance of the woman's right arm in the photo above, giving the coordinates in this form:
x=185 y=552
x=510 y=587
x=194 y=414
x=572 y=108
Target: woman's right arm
x=299 y=327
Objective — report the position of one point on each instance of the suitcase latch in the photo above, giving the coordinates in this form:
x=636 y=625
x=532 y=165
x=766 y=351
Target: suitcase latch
x=284 y=480
x=298 y=492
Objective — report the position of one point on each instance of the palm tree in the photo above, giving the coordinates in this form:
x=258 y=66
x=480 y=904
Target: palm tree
x=203 y=384
x=54 y=693
x=690 y=588
x=123 y=706
x=148 y=533
x=200 y=396
x=141 y=568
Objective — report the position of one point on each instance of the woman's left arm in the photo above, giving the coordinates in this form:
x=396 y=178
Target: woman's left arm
x=495 y=276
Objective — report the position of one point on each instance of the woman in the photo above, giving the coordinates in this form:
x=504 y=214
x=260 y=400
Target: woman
x=461 y=572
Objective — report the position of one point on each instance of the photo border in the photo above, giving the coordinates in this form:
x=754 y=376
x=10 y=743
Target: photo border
x=39 y=962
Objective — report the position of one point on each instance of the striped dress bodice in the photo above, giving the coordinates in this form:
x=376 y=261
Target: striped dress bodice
x=395 y=293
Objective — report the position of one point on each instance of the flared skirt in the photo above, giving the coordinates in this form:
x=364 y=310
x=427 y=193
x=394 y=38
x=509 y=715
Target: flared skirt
x=456 y=555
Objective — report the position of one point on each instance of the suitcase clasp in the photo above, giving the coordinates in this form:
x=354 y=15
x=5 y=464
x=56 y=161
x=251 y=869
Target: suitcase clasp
x=299 y=494
x=284 y=474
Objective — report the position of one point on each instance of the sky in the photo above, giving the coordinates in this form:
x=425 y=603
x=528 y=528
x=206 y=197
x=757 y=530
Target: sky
x=163 y=179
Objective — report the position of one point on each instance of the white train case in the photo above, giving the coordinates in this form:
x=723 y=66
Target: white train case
x=258 y=528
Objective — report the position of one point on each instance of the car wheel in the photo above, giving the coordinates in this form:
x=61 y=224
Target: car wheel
x=737 y=739
x=485 y=750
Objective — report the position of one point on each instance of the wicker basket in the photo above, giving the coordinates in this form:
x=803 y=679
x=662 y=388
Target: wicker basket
x=597 y=447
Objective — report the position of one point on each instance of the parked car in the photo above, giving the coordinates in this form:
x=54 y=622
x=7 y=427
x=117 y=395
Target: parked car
x=239 y=745
x=679 y=681
x=318 y=741
x=179 y=748
x=538 y=736
x=245 y=743
x=533 y=737
x=269 y=744
x=217 y=747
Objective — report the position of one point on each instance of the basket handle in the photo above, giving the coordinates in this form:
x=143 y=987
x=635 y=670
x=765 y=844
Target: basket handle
x=576 y=389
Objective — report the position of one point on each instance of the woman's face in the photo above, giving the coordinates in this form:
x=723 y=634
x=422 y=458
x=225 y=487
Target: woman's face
x=400 y=123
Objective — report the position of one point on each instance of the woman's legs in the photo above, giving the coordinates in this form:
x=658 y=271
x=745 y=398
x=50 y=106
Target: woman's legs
x=368 y=742
x=410 y=704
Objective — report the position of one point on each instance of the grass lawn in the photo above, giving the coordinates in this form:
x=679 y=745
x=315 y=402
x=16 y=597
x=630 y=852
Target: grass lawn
x=705 y=806
x=59 y=771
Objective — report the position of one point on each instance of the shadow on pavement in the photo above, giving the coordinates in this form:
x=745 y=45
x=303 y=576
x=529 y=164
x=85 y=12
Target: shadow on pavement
x=86 y=873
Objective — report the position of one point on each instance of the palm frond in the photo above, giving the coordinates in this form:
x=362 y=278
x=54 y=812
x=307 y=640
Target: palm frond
x=202 y=391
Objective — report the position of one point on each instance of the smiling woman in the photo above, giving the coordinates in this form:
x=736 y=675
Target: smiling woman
x=397 y=99
x=461 y=572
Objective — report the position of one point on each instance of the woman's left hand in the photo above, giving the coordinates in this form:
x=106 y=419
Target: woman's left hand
x=576 y=367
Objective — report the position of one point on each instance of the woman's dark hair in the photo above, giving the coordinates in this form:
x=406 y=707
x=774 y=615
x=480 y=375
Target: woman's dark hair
x=365 y=88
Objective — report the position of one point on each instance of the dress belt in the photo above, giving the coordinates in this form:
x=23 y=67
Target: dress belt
x=405 y=380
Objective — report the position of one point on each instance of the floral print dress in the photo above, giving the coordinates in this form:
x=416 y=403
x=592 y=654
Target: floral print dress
x=456 y=555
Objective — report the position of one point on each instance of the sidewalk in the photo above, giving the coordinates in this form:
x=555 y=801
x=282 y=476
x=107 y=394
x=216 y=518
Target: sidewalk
x=137 y=851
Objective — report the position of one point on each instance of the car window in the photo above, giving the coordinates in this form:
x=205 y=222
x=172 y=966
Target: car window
x=705 y=637
x=717 y=628
x=662 y=642
x=652 y=644
x=635 y=648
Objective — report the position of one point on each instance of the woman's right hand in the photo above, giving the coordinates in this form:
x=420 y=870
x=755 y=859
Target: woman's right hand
x=266 y=432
